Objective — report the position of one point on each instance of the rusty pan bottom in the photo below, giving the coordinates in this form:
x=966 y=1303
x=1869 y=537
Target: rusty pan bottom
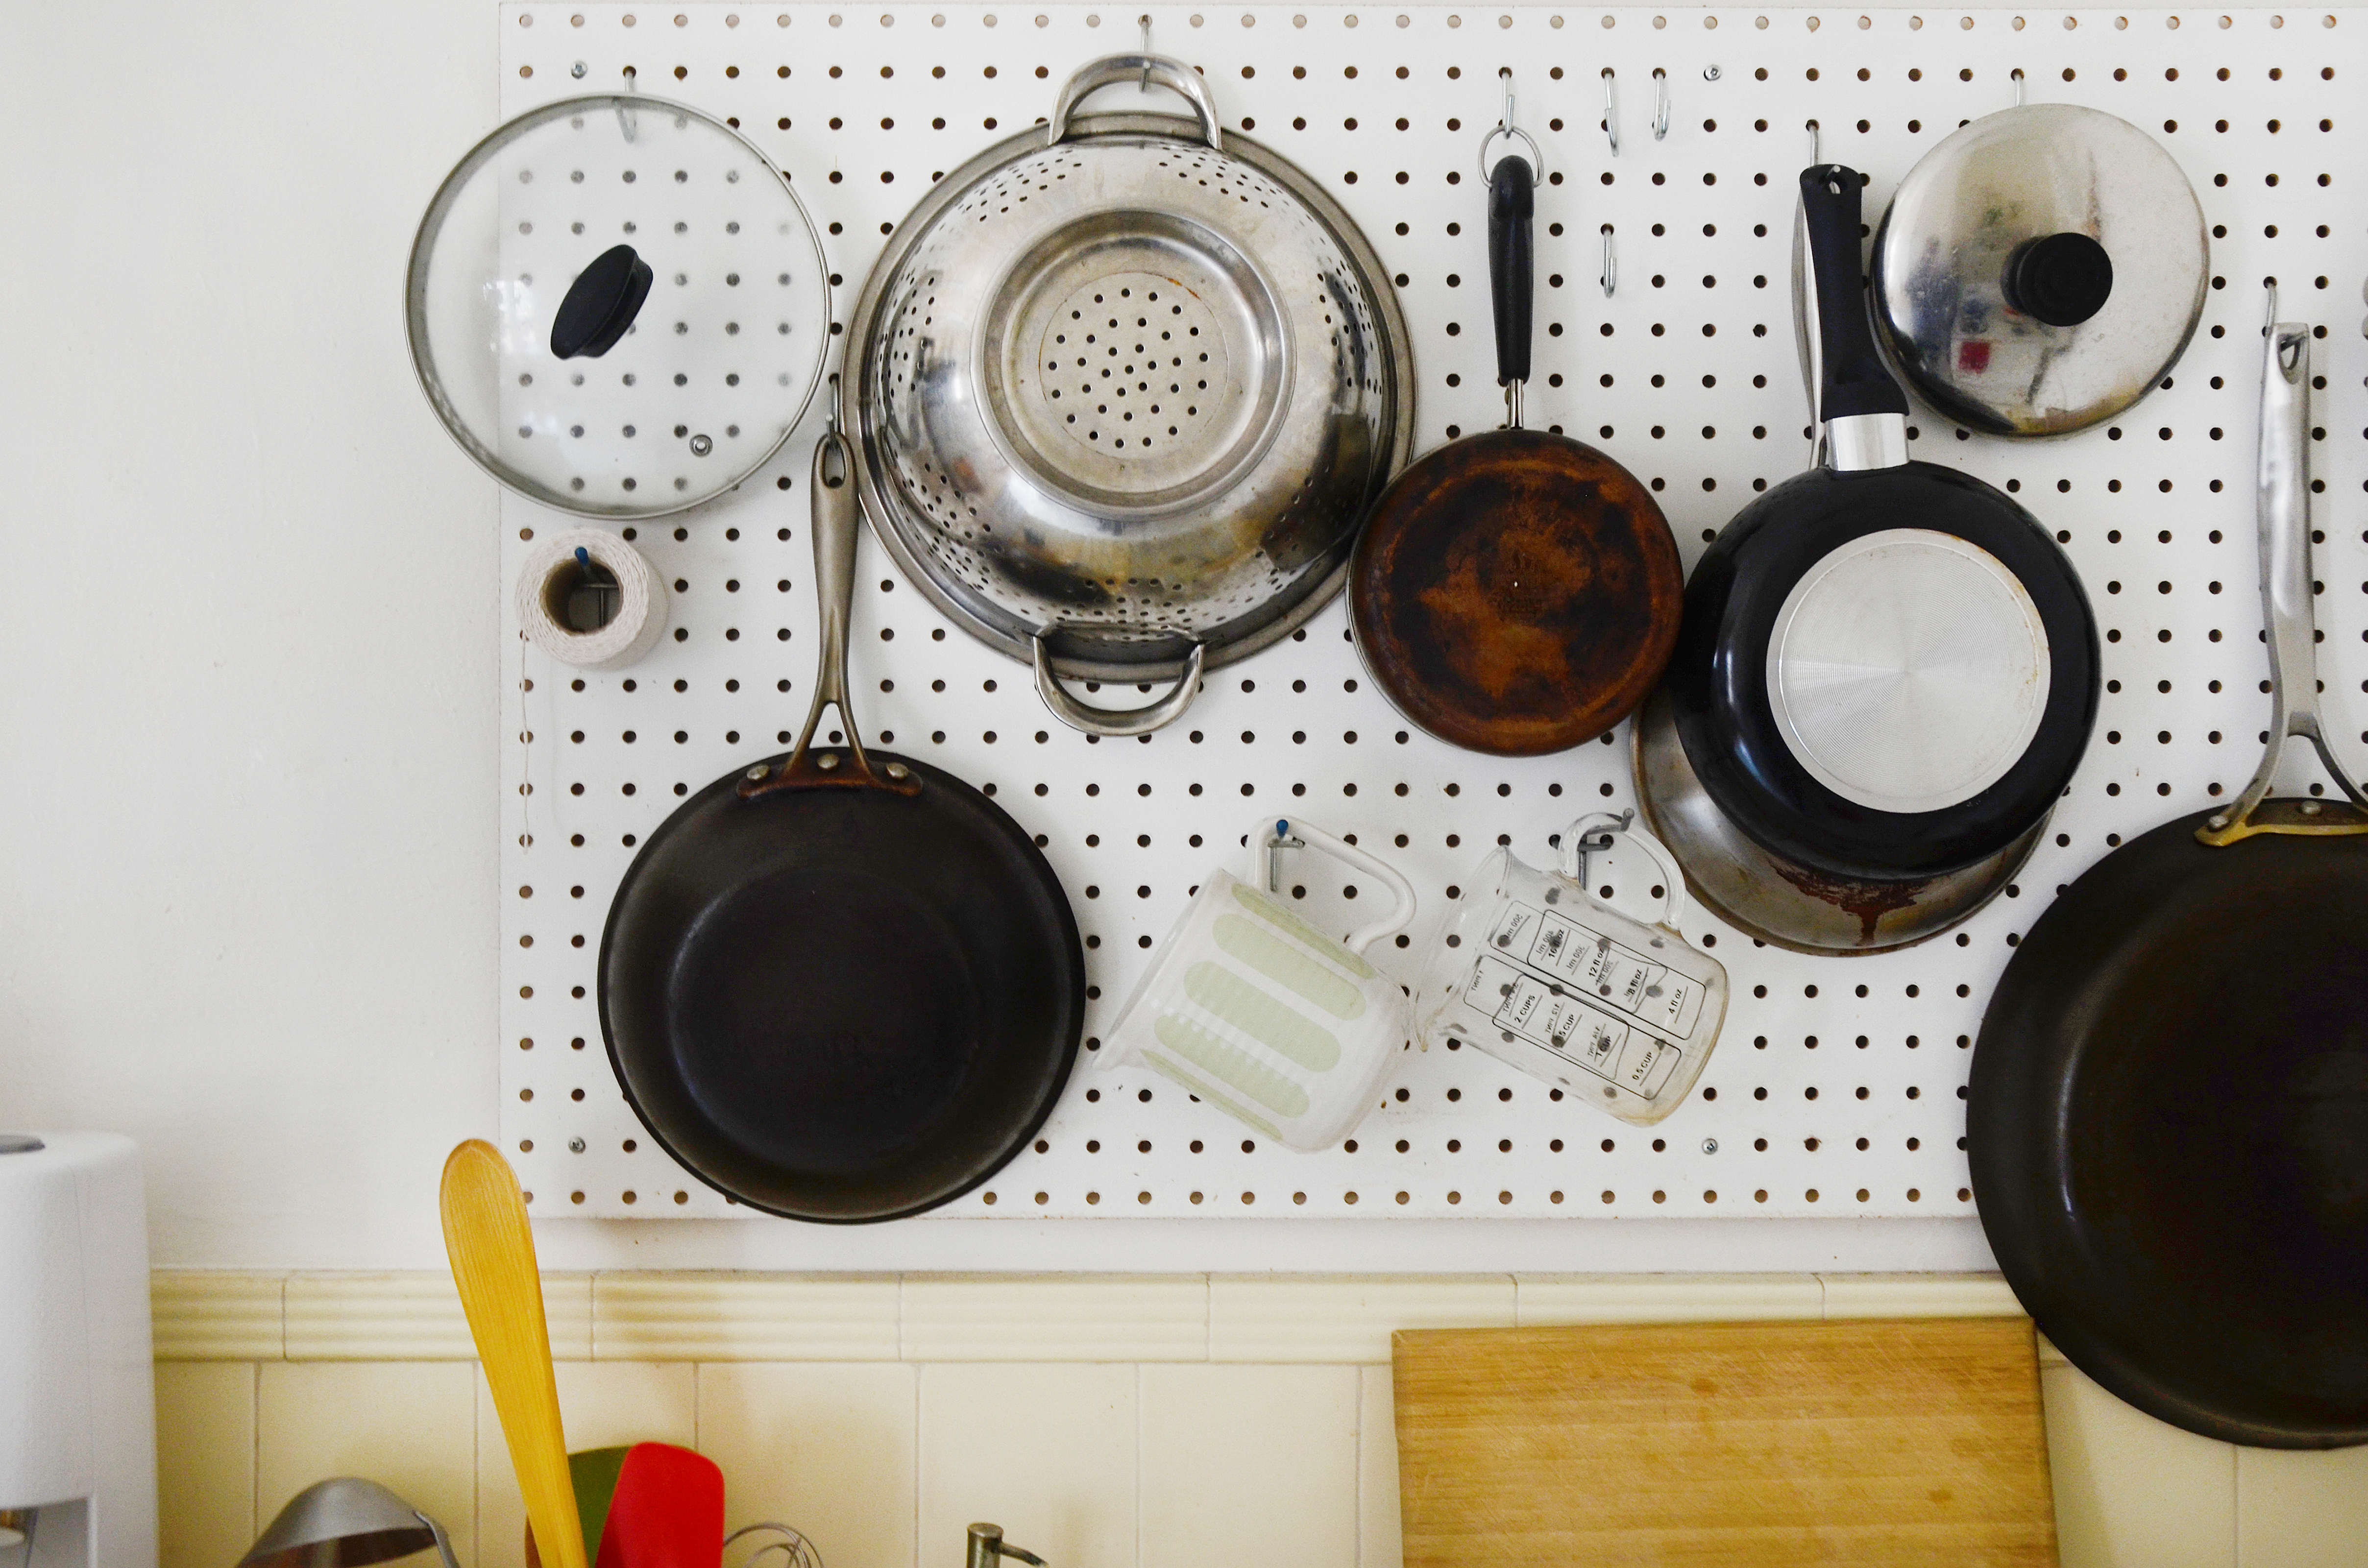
x=1778 y=901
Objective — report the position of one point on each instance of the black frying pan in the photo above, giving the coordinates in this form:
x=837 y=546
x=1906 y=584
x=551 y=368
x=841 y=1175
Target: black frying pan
x=2168 y=1118
x=1720 y=678
x=840 y=985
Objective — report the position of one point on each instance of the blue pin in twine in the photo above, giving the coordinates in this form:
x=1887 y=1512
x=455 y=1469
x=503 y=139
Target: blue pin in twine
x=583 y=557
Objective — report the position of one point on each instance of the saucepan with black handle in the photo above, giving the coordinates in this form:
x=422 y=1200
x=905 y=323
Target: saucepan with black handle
x=1887 y=671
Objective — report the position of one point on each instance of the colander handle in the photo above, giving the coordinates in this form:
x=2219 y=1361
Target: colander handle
x=1173 y=74
x=1116 y=723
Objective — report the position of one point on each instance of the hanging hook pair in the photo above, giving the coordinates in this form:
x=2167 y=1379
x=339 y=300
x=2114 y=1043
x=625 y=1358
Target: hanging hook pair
x=1505 y=127
x=1612 y=107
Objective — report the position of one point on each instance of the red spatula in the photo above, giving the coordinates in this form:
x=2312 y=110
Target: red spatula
x=667 y=1511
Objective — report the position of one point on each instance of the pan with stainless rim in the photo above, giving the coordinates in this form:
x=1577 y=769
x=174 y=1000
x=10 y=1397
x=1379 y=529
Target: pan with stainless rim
x=2167 y=1115
x=1887 y=670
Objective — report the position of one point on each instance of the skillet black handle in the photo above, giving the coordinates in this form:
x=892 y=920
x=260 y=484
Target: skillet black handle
x=1854 y=381
x=1512 y=199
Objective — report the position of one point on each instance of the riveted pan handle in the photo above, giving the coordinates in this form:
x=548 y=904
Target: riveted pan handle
x=1115 y=723
x=1173 y=74
x=2283 y=510
x=837 y=520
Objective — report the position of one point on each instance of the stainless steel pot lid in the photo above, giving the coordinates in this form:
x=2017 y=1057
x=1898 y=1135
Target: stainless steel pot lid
x=618 y=306
x=2040 y=270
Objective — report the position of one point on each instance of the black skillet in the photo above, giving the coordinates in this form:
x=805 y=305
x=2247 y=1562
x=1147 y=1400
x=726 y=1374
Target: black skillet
x=841 y=985
x=1515 y=592
x=1719 y=678
x=2167 y=1117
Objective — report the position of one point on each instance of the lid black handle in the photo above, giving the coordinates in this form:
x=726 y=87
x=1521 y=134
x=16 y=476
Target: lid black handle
x=1512 y=199
x=1854 y=381
x=601 y=304
x=2062 y=280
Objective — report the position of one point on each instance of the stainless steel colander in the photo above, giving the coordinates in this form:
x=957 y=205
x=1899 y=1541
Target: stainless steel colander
x=1125 y=388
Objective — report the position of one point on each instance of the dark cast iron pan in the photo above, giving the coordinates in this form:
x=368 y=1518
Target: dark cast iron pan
x=1515 y=592
x=839 y=985
x=2167 y=1117
x=1718 y=681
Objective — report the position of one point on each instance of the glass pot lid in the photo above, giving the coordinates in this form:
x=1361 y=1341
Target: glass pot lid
x=2040 y=270
x=617 y=306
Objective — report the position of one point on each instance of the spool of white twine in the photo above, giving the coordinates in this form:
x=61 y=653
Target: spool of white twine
x=561 y=589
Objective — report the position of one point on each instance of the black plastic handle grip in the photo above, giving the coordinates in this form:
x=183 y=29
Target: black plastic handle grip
x=601 y=304
x=1512 y=199
x=1855 y=382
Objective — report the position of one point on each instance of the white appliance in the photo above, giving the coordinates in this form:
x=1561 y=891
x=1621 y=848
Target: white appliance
x=77 y=1383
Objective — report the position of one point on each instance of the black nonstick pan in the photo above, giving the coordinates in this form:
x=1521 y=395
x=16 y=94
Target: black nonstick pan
x=1888 y=670
x=2167 y=1117
x=1515 y=592
x=841 y=985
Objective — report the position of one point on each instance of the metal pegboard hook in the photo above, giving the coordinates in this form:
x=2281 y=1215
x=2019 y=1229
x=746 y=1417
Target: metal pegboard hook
x=1813 y=149
x=1610 y=276
x=1145 y=22
x=1506 y=127
x=2017 y=75
x=1660 y=104
x=1612 y=110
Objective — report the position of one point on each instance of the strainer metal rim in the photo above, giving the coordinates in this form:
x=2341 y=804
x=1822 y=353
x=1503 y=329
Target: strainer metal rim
x=863 y=321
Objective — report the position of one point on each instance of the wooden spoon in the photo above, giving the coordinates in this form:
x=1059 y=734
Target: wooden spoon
x=487 y=1237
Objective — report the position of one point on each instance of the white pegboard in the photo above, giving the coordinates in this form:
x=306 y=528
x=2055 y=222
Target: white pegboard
x=1836 y=1085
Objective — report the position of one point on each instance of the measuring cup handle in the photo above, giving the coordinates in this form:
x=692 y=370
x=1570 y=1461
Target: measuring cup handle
x=1673 y=878
x=1173 y=74
x=1273 y=830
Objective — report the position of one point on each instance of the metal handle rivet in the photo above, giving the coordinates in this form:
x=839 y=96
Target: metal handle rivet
x=758 y=771
x=898 y=771
x=826 y=761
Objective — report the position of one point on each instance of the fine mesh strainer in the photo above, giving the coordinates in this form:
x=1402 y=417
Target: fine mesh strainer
x=1125 y=388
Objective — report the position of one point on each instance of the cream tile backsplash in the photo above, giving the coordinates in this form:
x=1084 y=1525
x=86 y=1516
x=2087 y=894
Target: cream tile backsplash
x=1157 y=1422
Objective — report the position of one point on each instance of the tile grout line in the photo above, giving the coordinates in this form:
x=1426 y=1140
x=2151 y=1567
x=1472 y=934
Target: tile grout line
x=918 y=1449
x=1138 y=1465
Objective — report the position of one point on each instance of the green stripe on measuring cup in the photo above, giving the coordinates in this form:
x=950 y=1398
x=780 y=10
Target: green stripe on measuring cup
x=1231 y=1063
x=1266 y=908
x=1173 y=1073
x=1287 y=966
x=1275 y=1025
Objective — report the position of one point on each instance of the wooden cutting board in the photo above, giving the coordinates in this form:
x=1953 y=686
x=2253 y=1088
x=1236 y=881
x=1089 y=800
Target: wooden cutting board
x=1871 y=1441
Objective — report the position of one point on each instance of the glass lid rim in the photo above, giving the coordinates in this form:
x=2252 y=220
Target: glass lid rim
x=423 y=359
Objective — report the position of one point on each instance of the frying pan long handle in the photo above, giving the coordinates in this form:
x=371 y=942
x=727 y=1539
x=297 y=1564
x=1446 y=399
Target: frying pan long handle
x=838 y=523
x=2283 y=508
x=1864 y=412
x=1513 y=273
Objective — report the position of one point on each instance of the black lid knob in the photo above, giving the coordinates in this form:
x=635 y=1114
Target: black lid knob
x=2063 y=279
x=601 y=304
